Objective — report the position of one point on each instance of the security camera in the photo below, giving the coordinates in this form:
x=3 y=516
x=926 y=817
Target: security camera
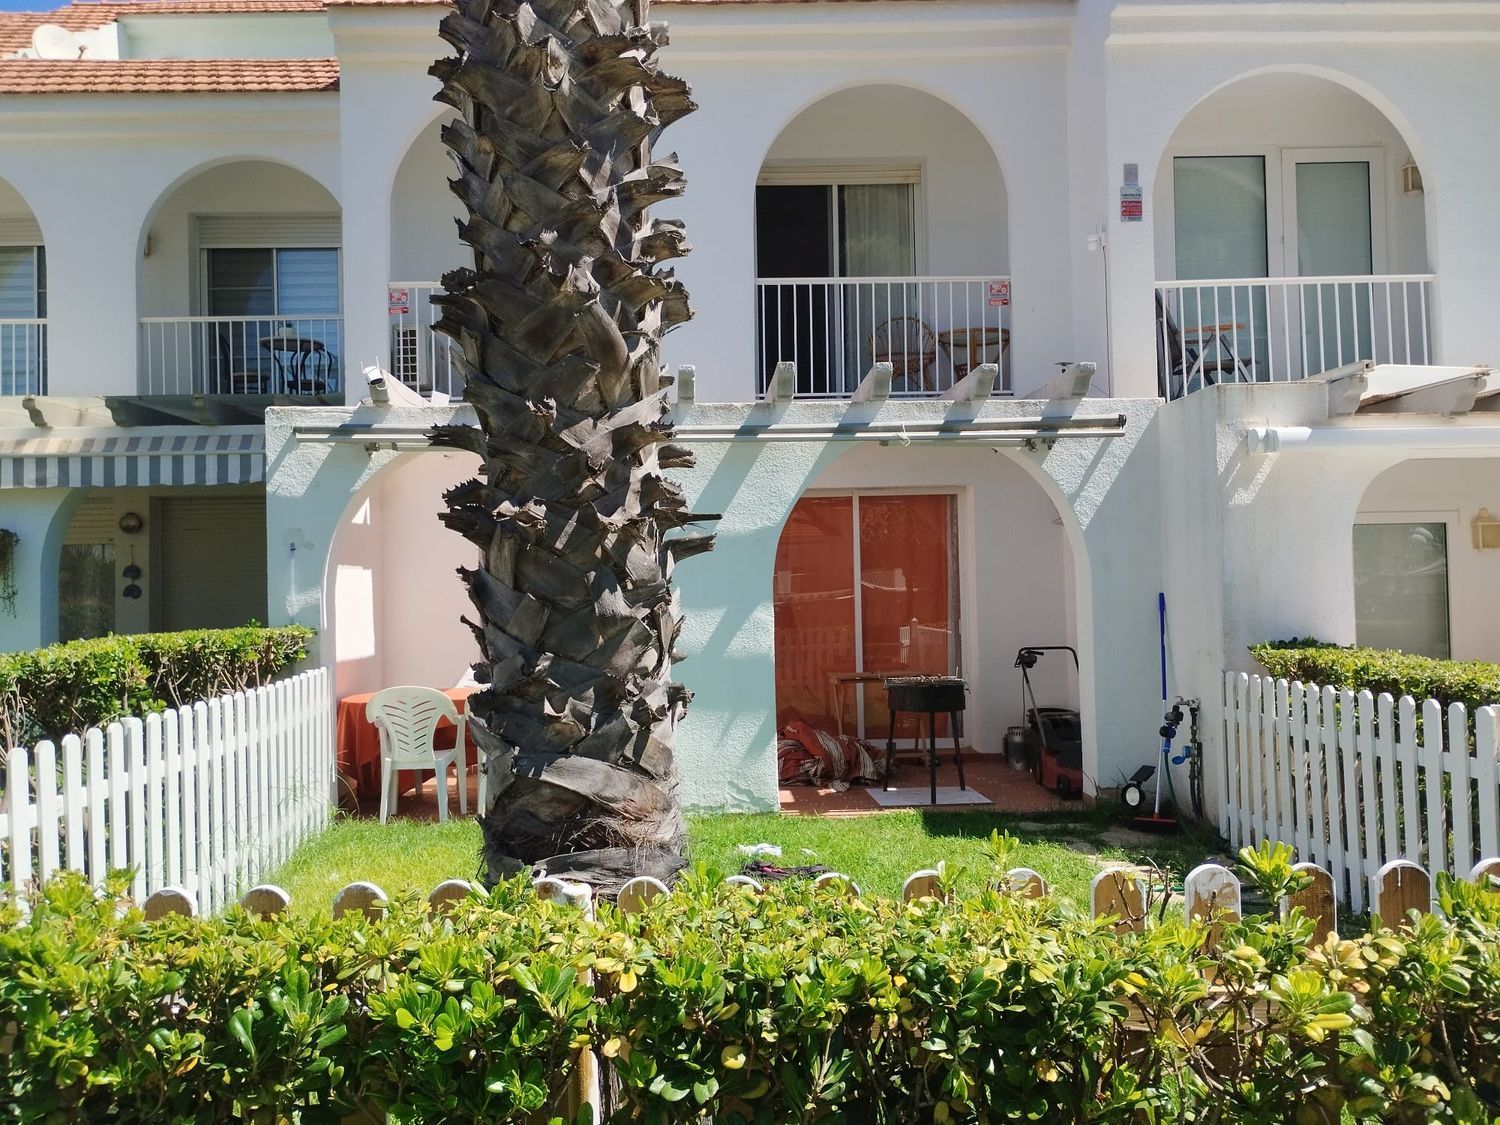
x=380 y=393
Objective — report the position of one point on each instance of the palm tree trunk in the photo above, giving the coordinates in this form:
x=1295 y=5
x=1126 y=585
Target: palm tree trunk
x=558 y=326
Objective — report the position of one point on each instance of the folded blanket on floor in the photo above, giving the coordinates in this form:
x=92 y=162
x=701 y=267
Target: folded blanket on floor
x=809 y=756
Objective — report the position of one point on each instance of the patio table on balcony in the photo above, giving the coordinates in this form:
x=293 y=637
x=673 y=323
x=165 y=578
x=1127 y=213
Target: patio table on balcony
x=975 y=346
x=292 y=370
x=358 y=743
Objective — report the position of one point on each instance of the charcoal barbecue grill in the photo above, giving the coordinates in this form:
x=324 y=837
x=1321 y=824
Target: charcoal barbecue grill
x=934 y=695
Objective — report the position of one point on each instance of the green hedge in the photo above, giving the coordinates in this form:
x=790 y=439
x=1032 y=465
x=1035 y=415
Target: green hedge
x=1470 y=682
x=48 y=692
x=714 y=1003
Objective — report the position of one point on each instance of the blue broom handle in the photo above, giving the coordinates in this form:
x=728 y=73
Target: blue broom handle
x=1161 y=611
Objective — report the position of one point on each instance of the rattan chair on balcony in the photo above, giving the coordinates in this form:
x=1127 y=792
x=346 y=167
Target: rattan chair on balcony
x=910 y=347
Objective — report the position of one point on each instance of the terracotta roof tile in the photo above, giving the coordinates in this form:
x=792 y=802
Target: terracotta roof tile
x=167 y=76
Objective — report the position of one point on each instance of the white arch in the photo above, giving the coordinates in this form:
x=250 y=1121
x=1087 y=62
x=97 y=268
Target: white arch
x=894 y=82
x=186 y=176
x=1073 y=532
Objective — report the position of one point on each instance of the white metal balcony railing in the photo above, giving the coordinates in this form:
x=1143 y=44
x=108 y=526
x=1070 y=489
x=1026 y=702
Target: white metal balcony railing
x=23 y=356
x=1280 y=329
x=241 y=355
x=420 y=357
x=932 y=330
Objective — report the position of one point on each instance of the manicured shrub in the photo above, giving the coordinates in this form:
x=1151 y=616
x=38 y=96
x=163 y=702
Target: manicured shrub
x=51 y=691
x=716 y=1003
x=1470 y=682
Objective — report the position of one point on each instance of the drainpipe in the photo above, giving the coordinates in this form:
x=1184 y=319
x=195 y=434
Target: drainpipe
x=1433 y=439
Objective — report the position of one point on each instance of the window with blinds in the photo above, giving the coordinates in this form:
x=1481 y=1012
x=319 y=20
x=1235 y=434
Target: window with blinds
x=23 y=302
x=277 y=303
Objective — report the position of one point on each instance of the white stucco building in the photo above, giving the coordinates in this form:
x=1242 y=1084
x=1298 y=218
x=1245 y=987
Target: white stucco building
x=214 y=214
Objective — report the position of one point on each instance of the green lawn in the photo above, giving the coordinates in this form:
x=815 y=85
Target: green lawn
x=878 y=851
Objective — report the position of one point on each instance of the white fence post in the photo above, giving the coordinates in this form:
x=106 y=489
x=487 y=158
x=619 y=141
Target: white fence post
x=1487 y=774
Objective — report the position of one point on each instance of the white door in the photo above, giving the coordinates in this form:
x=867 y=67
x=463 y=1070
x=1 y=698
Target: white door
x=1333 y=208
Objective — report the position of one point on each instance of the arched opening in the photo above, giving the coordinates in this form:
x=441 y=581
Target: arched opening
x=924 y=561
x=1291 y=237
x=23 y=298
x=881 y=237
x=239 y=286
x=392 y=604
x=424 y=246
x=391 y=599
x=1426 y=575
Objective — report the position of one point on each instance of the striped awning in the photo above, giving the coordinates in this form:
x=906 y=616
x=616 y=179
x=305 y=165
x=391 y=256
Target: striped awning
x=227 y=456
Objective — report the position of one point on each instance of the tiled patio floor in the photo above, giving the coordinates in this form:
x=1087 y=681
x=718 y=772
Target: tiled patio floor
x=422 y=805
x=1008 y=790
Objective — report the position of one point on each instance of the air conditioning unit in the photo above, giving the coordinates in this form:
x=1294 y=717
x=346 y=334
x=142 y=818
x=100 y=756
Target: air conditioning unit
x=405 y=355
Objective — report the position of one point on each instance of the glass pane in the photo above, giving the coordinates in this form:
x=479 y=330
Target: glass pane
x=877 y=232
x=18 y=282
x=307 y=282
x=1401 y=587
x=86 y=591
x=908 y=596
x=21 y=360
x=813 y=599
x=1333 y=219
x=1333 y=240
x=1220 y=222
x=877 y=238
x=241 y=282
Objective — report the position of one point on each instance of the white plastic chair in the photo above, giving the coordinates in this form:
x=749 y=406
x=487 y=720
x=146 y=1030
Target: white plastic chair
x=407 y=719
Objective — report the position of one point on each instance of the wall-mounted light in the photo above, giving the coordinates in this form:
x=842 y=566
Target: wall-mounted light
x=131 y=522
x=1486 y=531
x=1411 y=178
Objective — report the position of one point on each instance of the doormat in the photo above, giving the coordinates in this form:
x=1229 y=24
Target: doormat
x=921 y=795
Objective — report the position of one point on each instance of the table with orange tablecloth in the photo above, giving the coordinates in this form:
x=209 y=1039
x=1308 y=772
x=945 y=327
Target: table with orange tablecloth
x=359 y=742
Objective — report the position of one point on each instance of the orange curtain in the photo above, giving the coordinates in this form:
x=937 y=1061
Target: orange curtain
x=814 y=611
x=907 y=605
x=905 y=549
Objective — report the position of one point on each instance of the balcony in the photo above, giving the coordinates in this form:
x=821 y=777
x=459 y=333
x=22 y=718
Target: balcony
x=1281 y=329
x=933 y=331
x=420 y=357
x=23 y=356
x=236 y=356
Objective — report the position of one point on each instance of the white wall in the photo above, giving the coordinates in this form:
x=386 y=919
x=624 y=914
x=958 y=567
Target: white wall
x=12 y=205
x=1452 y=491
x=171 y=277
x=962 y=219
x=267 y=35
x=1267 y=113
x=391 y=598
x=39 y=517
x=424 y=236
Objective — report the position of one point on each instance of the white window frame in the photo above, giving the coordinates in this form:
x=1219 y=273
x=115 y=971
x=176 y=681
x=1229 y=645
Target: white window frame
x=1280 y=165
x=801 y=173
x=269 y=231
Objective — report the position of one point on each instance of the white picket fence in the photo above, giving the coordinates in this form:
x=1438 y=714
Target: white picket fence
x=209 y=797
x=1354 y=781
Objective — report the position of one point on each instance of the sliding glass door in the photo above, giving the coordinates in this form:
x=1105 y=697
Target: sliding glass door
x=866 y=586
x=823 y=232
